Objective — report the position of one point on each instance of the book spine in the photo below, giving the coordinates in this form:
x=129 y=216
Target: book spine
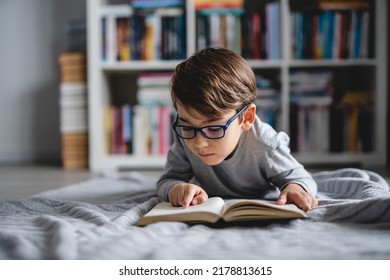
x=73 y=110
x=331 y=33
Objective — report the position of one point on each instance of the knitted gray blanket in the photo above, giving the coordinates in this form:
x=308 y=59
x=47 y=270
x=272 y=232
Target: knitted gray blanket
x=96 y=219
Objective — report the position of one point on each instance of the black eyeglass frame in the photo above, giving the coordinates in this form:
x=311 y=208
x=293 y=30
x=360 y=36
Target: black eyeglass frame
x=195 y=130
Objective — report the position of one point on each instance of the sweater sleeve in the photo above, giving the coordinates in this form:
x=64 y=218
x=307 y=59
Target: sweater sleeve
x=285 y=169
x=177 y=169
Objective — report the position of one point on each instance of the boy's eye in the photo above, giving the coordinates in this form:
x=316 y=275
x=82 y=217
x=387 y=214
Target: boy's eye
x=214 y=129
x=186 y=128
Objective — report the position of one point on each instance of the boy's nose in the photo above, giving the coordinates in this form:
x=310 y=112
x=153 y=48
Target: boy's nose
x=200 y=141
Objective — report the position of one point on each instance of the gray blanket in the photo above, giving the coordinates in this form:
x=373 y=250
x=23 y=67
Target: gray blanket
x=95 y=220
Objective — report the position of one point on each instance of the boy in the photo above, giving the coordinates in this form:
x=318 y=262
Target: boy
x=221 y=148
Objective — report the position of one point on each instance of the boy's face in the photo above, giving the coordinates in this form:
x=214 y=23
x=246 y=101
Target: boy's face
x=211 y=151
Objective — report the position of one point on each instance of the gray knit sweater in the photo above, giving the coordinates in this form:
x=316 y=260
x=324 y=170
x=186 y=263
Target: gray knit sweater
x=260 y=167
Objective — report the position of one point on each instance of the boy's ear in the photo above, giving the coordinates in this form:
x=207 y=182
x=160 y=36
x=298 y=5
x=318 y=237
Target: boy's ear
x=249 y=117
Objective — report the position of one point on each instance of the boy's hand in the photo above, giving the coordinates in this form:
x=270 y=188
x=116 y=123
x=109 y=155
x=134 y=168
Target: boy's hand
x=187 y=194
x=294 y=193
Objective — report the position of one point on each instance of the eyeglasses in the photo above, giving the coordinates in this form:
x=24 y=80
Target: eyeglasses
x=208 y=131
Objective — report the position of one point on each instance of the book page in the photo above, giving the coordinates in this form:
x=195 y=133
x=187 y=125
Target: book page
x=252 y=209
x=210 y=211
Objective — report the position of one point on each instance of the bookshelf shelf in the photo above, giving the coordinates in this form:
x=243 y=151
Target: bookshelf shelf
x=140 y=66
x=369 y=72
x=332 y=63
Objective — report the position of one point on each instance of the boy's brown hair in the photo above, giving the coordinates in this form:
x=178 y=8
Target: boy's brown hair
x=212 y=81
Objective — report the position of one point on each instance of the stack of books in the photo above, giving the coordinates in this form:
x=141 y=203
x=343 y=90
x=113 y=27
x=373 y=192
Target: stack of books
x=73 y=110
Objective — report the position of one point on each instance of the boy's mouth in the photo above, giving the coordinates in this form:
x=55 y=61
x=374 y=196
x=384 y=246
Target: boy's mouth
x=203 y=155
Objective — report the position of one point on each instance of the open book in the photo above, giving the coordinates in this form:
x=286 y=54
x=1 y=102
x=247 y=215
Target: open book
x=216 y=208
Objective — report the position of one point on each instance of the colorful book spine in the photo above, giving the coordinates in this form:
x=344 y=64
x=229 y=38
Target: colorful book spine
x=331 y=34
x=115 y=32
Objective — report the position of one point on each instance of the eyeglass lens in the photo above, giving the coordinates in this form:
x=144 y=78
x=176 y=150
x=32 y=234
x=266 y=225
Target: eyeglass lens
x=209 y=132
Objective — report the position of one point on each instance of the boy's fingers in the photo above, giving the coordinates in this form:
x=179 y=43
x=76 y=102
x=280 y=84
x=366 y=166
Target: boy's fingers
x=172 y=200
x=307 y=204
x=177 y=199
x=188 y=198
x=304 y=206
x=174 y=196
x=282 y=199
x=194 y=196
x=311 y=202
x=186 y=201
x=200 y=198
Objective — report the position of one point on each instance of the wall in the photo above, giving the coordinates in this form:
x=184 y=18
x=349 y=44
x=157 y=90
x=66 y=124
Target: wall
x=32 y=36
x=388 y=83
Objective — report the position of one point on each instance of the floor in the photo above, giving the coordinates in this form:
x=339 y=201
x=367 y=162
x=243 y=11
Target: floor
x=20 y=181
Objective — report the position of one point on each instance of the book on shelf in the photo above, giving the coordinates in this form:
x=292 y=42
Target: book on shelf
x=148 y=4
x=215 y=209
x=309 y=126
x=269 y=112
x=343 y=4
x=143 y=30
x=331 y=34
x=115 y=32
x=119 y=131
x=268 y=100
x=253 y=31
x=261 y=30
x=158 y=33
x=352 y=123
x=256 y=36
x=366 y=129
x=123 y=51
x=311 y=94
x=140 y=125
x=357 y=121
x=273 y=24
x=219 y=28
x=141 y=130
x=316 y=5
x=218 y=4
x=153 y=88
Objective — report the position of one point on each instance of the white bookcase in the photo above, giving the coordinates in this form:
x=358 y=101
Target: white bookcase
x=100 y=73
